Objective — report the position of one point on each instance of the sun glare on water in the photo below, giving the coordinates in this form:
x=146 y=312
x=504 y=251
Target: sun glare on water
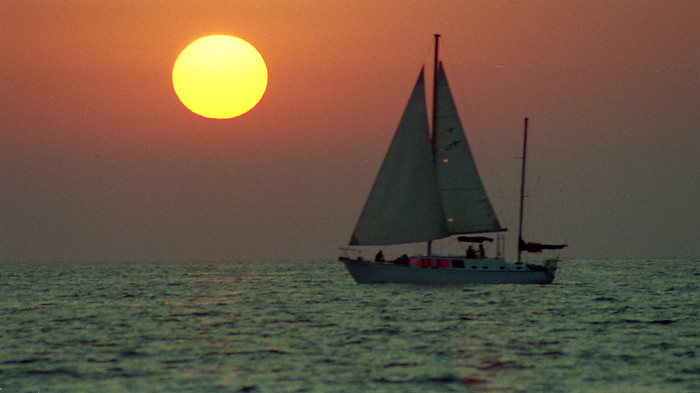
x=220 y=77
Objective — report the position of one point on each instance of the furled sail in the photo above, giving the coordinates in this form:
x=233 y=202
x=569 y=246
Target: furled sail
x=538 y=247
x=404 y=204
x=466 y=207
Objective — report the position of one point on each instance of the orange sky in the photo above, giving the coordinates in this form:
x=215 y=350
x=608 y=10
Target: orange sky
x=100 y=161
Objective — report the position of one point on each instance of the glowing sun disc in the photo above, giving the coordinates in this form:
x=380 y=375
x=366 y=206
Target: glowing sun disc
x=220 y=77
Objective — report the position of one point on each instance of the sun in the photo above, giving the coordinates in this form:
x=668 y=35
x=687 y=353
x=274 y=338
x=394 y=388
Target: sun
x=220 y=77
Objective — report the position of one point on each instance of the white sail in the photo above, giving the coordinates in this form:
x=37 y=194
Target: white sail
x=404 y=204
x=466 y=207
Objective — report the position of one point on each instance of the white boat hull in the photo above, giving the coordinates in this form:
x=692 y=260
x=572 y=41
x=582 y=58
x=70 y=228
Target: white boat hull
x=475 y=271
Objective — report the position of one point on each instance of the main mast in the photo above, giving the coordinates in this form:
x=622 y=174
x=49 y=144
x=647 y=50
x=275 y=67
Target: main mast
x=435 y=105
x=435 y=86
x=522 y=191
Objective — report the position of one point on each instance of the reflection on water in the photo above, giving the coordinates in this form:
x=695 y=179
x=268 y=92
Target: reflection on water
x=623 y=326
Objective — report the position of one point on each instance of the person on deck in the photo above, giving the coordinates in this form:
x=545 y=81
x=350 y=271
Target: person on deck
x=471 y=253
x=481 y=253
x=379 y=257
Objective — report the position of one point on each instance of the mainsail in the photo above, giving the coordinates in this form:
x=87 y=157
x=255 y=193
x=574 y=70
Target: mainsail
x=425 y=189
x=404 y=204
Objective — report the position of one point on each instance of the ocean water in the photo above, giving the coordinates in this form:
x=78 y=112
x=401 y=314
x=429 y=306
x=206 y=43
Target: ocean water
x=305 y=326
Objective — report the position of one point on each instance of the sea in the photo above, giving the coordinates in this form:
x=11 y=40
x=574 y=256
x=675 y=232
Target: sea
x=626 y=325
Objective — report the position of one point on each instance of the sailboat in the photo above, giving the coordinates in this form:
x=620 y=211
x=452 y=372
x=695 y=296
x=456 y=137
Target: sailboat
x=428 y=189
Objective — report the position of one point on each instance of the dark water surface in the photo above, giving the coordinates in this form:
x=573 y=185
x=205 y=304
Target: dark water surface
x=603 y=326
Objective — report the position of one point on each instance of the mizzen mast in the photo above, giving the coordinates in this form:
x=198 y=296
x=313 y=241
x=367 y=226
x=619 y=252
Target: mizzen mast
x=522 y=192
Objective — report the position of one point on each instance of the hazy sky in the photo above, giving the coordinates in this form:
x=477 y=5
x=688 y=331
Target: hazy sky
x=100 y=161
